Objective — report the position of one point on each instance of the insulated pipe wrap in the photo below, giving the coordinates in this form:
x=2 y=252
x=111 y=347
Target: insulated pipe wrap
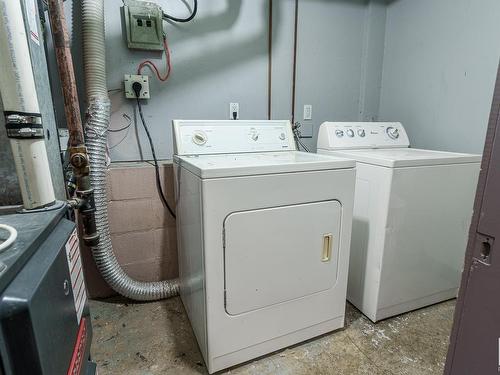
x=96 y=127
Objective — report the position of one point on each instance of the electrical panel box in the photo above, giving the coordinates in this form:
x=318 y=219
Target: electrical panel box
x=143 y=23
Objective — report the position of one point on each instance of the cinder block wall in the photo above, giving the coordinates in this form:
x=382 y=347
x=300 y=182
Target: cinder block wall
x=142 y=231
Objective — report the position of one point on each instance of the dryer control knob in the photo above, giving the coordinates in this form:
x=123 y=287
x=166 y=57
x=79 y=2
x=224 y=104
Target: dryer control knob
x=392 y=132
x=282 y=136
x=339 y=133
x=361 y=132
x=350 y=133
x=199 y=138
x=255 y=136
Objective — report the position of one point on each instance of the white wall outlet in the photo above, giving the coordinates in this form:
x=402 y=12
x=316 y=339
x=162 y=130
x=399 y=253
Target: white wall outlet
x=129 y=81
x=308 y=111
x=234 y=111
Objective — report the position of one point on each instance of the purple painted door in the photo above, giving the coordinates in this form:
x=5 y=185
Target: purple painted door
x=475 y=338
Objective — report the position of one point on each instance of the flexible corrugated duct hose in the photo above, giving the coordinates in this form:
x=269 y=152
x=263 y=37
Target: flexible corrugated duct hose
x=96 y=126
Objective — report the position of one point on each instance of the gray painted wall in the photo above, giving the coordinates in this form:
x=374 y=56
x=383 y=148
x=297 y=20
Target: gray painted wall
x=430 y=64
x=329 y=61
x=440 y=65
x=282 y=58
x=372 y=60
x=339 y=61
x=222 y=57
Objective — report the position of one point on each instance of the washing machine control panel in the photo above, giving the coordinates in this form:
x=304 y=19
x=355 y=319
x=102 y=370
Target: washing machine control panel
x=354 y=135
x=199 y=137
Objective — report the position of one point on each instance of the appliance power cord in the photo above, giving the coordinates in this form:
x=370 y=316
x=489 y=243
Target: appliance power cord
x=183 y=20
x=136 y=86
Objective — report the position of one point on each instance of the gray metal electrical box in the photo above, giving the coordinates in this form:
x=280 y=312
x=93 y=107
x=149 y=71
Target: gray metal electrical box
x=143 y=23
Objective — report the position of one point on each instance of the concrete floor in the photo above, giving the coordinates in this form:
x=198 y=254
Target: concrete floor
x=156 y=338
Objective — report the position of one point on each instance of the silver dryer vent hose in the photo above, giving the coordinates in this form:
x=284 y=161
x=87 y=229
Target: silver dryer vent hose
x=96 y=128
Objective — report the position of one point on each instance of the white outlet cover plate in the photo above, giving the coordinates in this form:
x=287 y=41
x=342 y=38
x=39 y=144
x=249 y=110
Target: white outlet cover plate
x=234 y=107
x=129 y=79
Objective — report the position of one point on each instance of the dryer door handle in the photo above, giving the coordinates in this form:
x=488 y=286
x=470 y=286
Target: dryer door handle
x=327 y=247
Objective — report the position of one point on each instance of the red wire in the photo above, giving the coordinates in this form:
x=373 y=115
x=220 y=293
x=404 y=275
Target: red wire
x=152 y=65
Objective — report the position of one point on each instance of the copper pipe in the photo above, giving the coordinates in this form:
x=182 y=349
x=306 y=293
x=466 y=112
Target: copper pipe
x=78 y=156
x=66 y=73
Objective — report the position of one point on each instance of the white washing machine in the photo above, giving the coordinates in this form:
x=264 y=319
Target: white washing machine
x=263 y=237
x=412 y=211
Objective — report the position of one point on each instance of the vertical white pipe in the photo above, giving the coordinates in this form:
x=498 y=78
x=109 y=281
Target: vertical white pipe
x=18 y=92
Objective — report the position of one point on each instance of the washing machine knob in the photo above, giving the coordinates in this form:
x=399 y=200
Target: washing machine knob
x=282 y=136
x=350 y=133
x=199 y=138
x=339 y=133
x=361 y=132
x=255 y=136
x=392 y=132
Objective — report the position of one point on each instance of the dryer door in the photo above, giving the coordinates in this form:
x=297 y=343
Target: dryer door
x=279 y=254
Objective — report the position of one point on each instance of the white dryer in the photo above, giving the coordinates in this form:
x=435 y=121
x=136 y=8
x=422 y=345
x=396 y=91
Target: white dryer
x=263 y=237
x=412 y=211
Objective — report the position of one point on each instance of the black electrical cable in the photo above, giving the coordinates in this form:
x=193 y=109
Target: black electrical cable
x=175 y=19
x=303 y=145
x=119 y=130
x=157 y=168
x=297 y=136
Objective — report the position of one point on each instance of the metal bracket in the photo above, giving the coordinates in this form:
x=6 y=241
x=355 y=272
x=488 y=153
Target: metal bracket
x=23 y=125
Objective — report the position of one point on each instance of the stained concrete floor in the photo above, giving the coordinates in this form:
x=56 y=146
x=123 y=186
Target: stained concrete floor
x=156 y=338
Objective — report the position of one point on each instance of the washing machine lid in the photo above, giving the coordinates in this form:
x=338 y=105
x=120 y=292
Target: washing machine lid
x=406 y=157
x=248 y=164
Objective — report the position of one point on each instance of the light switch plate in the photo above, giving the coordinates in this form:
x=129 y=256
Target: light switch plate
x=308 y=109
x=143 y=80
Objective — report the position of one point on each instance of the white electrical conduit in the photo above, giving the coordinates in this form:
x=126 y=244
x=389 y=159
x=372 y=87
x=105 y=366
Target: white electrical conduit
x=12 y=236
x=18 y=92
x=98 y=114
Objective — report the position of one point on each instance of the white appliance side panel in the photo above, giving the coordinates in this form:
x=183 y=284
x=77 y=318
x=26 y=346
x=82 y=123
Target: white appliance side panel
x=275 y=255
x=426 y=233
x=187 y=190
x=242 y=336
x=371 y=203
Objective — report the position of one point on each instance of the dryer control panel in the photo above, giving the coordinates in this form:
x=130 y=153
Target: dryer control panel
x=358 y=135
x=202 y=137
